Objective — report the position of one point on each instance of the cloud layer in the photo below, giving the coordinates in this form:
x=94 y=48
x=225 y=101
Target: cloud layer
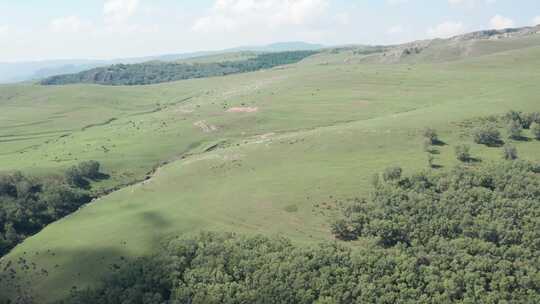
x=229 y=15
x=125 y=28
x=470 y=3
x=70 y=24
x=446 y=29
x=119 y=11
x=500 y=22
x=4 y=29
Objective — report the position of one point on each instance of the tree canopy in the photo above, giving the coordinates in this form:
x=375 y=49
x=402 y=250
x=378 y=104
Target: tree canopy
x=27 y=204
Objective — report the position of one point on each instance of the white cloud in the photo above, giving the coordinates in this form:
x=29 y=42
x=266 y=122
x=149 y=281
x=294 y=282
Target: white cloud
x=214 y=23
x=69 y=24
x=536 y=20
x=343 y=18
x=460 y=2
x=227 y=15
x=119 y=11
x=500 y=22
x=446 y=29
x=470 y=3
x=394 y=30
x=4 y=29
x=396 y=2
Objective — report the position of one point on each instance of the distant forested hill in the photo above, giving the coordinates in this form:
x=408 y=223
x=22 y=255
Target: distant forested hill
x=157 y=72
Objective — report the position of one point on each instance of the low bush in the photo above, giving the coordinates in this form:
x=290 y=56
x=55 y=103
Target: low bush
x=510 y=152
x=535 y=129
x=392 y=173
x=515 y=129
x=487 y=134
x=463 y=153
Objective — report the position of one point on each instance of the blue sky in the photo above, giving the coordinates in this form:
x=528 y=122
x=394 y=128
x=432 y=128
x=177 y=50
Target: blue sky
x=55 y=29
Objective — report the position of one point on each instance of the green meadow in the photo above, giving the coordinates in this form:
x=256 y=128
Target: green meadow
x=271 y=152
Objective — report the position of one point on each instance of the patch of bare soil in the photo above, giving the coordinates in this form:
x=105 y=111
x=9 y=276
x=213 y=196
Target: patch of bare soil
x=205 y=127
x=243 y=110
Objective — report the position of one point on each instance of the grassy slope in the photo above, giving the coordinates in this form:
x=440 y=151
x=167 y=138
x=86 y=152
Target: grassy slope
x=320 y=133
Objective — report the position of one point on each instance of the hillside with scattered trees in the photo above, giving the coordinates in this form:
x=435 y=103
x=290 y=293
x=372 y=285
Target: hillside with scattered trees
x=470 y=235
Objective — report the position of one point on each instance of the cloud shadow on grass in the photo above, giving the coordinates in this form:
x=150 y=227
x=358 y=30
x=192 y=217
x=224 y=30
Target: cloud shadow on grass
x=70 y=269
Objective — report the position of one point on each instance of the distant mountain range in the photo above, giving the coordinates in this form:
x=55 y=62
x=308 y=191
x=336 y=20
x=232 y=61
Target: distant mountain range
x=27 y=71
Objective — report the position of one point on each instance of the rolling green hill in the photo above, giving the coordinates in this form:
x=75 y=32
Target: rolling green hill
x=268 y=152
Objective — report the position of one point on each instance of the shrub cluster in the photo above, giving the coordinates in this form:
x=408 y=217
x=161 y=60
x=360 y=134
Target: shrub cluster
x=27 y=204
x=487 y=134
x=525 y=120
x=466 y=202
x=517 y=121
x=79 y=175
x=515 y=129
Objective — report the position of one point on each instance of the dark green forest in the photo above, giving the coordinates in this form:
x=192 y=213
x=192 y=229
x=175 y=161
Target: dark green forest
x=27 y=203
x=157 y=72
x=470 y=235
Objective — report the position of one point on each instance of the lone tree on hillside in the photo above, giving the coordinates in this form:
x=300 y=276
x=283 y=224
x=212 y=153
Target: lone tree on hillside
x=77 y=175
x=463 y=153
x=510 y=152
x=430 y=135
x=515 y=129
x=535 y=129
x=487 y=135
